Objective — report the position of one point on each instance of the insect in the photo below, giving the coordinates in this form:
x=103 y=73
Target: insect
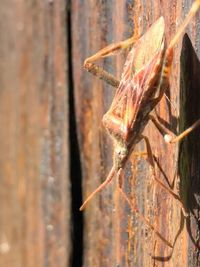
x=143 y=83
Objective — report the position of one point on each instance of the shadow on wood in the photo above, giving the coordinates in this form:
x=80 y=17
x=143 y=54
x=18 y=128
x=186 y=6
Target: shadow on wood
x=189 y=148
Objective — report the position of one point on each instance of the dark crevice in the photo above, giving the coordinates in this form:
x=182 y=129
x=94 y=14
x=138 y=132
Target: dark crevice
x=75 y=164
x=189 y=148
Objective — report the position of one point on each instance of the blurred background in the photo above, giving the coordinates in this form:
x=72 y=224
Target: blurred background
x=54 y=150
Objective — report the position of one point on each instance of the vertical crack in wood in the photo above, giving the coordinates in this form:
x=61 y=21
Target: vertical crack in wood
x=75 y=163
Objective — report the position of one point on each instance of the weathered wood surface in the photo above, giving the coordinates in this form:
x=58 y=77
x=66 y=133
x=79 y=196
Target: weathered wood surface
x=94 y=25
x=34 y=173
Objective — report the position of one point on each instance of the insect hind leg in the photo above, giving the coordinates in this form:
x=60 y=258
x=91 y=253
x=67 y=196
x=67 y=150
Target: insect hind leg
x=166 y=188
x=135 y=209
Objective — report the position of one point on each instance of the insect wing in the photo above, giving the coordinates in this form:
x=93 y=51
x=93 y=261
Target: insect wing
x=138 y=71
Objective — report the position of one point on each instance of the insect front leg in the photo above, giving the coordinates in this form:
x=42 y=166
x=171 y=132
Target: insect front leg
x=107 y=51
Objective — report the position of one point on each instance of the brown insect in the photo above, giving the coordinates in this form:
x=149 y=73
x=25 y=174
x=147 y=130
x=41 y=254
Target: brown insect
x=143 y=83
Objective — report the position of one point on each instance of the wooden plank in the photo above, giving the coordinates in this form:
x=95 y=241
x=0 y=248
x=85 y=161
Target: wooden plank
x=95 y=24
x=34 y=172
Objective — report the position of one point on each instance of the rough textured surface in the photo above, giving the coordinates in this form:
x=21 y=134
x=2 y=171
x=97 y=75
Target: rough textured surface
x=34 y=191
x=95 y=24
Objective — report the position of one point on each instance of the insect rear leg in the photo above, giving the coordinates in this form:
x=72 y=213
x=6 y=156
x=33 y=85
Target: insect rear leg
x=152 y=164
x=135 y=210
x=107 y=51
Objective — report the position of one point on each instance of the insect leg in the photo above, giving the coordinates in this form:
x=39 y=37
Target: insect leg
x=110 y=50
x=183 y=134
x=167 y=136
x=152 y=164
x=193 y=10
x=106 y=52
x=102 y=74
x=143 y=218
x=166 y=69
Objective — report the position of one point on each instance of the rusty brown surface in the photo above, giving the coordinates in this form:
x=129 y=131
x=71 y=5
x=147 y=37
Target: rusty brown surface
x=95 y=24
x=34 y=191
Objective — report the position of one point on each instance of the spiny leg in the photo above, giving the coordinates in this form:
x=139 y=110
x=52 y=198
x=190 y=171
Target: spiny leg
x=152 y=164
x=135 y=209
x=106 y=52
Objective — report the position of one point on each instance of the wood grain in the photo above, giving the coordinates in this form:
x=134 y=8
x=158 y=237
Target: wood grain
x=96 y=24
x=34 y=172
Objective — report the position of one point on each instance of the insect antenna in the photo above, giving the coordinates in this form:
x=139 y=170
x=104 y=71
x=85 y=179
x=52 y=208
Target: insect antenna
x=99 y=188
